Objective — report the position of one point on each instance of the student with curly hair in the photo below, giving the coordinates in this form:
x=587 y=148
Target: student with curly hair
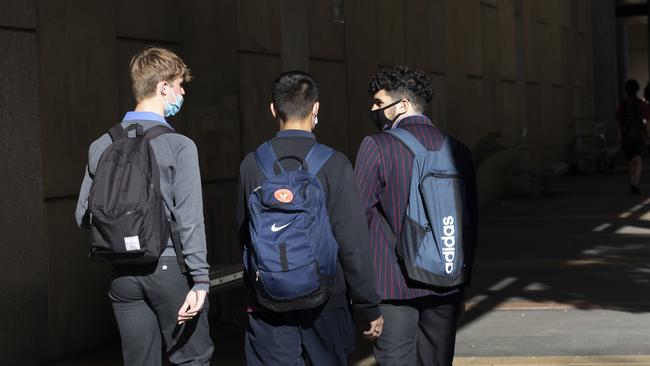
x=420 y=319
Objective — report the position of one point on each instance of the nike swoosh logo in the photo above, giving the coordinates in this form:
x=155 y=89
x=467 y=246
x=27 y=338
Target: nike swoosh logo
x=278 y=228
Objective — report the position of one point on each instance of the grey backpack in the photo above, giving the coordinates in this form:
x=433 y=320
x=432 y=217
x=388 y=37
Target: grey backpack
x=431 y=247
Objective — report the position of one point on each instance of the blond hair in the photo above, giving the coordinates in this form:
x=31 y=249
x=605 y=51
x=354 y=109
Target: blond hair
x=153 y=65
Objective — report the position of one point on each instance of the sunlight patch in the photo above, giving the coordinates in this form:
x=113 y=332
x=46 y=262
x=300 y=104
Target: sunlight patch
x=633 y=230
x=503 y=284
x=602 y=227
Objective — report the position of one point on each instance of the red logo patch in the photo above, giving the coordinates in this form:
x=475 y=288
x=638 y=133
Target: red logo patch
x=283 y=195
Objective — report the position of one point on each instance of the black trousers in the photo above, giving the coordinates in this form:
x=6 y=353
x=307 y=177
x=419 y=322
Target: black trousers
x=326 y=337
x=146 y=303
x=419 y=331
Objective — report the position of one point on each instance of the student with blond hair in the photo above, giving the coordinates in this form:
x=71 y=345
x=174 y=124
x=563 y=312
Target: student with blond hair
x=141 y=198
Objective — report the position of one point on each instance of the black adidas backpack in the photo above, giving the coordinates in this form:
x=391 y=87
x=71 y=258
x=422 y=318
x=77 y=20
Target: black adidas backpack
x=126 y=211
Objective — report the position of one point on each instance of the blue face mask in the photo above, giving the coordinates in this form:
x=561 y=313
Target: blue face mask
x=173 y=108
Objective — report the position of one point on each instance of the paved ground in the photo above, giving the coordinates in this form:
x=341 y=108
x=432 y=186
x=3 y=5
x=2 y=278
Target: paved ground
x=565 y=275
x=560 y=280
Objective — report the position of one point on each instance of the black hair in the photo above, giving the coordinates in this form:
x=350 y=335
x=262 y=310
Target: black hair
x=401 y=81
x=632 y=87
x=294 y=94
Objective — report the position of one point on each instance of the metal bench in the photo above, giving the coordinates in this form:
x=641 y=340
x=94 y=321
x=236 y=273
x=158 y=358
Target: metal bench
x=588 y=150
x=541 y=175
x=224 y=277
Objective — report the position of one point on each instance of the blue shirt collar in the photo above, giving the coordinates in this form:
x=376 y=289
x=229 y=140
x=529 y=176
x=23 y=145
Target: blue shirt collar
x=295 y=133
x=133 y=116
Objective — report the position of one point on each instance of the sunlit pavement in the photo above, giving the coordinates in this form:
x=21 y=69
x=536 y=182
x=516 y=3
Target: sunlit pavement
x=561 y=279
x=563 y=275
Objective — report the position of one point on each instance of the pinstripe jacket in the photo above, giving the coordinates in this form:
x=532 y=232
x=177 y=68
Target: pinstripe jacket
x=383 y=173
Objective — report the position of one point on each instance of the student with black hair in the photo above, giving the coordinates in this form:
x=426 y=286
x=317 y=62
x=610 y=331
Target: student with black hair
x=282 y=322
x=633 y=114
x=420 y=319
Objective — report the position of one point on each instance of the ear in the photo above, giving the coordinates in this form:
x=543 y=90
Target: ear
x=403 y=106
x=315 y=109
x=274 y=112
x=160 y=87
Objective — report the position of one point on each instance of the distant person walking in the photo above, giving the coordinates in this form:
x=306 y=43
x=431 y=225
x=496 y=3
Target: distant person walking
x=633 y=114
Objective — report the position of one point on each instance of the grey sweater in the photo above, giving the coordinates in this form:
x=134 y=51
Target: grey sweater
x=180 y=185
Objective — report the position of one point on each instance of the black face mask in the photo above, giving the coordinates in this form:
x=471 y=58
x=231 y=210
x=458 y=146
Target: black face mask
x=379 y=118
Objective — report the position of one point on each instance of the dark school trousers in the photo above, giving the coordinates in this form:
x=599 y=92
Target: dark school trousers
x=146 y=303
x=326 y=337
x=419 y=331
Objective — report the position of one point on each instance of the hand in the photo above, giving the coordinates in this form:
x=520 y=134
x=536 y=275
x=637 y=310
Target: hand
x=192 y=306
x=376 y=327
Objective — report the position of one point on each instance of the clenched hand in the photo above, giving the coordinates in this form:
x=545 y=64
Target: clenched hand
x=376 y=327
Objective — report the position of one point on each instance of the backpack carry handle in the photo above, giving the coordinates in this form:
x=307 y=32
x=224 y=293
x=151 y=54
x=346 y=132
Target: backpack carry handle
x=117 y=131
x=278 y=162
x=315 y=159
x=139 y=130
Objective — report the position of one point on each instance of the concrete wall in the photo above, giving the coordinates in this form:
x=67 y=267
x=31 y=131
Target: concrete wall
x=637 y=52
x=605 y=67
x=23 y=250
x=496 y=65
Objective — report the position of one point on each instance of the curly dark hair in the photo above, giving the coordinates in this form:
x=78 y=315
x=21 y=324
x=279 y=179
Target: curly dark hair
x=401 y=81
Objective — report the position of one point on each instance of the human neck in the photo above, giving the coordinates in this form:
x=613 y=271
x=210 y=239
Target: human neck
x=304 y=125
x=150 y=105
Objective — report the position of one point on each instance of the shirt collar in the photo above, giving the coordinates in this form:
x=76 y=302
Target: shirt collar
x=416 y=119
x=295 y=133
x=133 y=116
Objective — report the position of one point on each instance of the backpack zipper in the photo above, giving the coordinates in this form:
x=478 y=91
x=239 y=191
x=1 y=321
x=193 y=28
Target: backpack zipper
x=439 y=175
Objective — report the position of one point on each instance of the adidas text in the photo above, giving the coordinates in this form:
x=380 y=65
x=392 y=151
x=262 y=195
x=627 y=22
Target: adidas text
x=449 y=241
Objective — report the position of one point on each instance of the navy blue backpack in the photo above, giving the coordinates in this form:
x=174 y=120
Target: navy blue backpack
x=291 y=258
x=431 y=247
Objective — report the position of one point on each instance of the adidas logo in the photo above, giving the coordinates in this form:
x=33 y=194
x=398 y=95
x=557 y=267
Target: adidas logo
x=449 y=242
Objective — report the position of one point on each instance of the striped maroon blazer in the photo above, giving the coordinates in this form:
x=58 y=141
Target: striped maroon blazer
x=383 y=172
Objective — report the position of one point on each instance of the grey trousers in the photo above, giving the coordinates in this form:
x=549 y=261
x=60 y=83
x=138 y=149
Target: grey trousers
x=146 y=303
x=419 y=331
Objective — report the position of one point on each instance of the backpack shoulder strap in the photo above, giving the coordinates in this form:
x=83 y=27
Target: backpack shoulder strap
x=265 y=157
x=156 y=131
x=116 y=132
x=317 y=157
x=448 y=148
x=408 y=140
